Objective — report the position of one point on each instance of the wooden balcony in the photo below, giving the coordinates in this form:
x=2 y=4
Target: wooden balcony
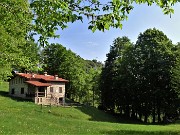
x=40 y=94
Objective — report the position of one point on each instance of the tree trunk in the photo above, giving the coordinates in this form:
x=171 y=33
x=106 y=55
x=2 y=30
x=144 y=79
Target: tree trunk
x=133 y=113
x=154 y=114
x=159 y=114
x=127 y=111
x=93 y=97
x=120 y=110
x=145 y=118
x=154 y=109
x=140 y=116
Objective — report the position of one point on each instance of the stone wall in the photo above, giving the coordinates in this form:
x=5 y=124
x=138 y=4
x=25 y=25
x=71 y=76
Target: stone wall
x=17 y=85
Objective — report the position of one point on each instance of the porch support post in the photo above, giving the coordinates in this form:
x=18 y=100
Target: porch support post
x=63 y=100
x=45 y=90
x=36 y=95
x=36 y=89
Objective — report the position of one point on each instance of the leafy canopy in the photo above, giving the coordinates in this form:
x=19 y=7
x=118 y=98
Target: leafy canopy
x=21 y=19
x=142 y=79
x=49 y=15
x=14 y=25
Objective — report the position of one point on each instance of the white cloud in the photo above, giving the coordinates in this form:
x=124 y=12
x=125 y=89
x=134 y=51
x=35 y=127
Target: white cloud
x=90 y=43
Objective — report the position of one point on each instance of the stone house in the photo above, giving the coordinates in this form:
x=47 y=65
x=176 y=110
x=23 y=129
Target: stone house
x=42 y=89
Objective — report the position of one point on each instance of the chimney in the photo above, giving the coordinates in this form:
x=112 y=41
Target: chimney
x=45 y=73
x=56 y=77
x=33 y=76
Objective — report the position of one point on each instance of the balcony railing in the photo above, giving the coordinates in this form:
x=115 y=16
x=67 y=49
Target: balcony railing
x=40 y=94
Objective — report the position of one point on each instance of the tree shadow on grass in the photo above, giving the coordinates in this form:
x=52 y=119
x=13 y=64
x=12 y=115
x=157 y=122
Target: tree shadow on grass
x=100 y=115
x=105 y=116
x=18 y=99
x=132 y=132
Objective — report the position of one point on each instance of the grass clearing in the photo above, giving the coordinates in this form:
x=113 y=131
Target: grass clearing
x=24 y=117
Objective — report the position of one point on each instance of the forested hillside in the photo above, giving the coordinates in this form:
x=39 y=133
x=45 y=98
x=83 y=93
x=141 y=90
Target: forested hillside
x=83 y=75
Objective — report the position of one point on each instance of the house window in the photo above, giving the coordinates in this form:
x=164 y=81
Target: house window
x=12 y=91
x=22 y=80
x=22 y=90
x=60 y=89
x=51 y=89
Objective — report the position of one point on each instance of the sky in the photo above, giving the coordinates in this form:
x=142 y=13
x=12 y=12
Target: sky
x=96 y=45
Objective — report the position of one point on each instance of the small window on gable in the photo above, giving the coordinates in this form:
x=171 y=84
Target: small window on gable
x=12 y=91
x=22 y=90
x=60 y=89
x=51 y=89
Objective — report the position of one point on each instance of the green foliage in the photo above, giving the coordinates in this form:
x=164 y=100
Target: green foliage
x=22 y=19
x=11 y=33
x=49 y=15
x=14 y=24
x=142 y=79
x=176 y=71
x=154 y=57
x=82 y=75
x=110 y=72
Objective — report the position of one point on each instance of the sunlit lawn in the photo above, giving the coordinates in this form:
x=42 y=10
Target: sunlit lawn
x=23 y=117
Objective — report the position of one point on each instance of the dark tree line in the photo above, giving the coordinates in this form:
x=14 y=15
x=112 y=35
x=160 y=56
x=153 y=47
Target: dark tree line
x=142 y=80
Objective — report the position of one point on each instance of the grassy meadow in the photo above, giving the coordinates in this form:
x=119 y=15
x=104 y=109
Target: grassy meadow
x=24 y=117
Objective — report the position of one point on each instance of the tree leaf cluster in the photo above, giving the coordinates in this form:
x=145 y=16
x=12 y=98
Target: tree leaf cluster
x=49 y=15
x=22 y=19
x=82 y=74
x=15 y=23
x=142 y=80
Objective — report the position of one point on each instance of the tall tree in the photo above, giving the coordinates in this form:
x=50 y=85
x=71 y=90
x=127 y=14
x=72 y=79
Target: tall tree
x=142 y=80
x=176 y=69
x=109 y=75
x=65 y=63
x=175 y=81
x=14 y=24
x=155 y=58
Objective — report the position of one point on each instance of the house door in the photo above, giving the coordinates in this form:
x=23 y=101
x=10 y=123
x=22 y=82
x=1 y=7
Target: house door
x=12 y=91
x=61 y=100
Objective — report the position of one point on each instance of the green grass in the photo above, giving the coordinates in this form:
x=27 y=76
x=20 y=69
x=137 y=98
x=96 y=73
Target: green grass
x=23 y=117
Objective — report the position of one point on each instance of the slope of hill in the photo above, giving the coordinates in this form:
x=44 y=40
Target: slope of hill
x=24 y=117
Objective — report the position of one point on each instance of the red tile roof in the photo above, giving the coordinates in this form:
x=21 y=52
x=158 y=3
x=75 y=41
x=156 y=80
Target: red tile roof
x=48 y=78
x=39 y=84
